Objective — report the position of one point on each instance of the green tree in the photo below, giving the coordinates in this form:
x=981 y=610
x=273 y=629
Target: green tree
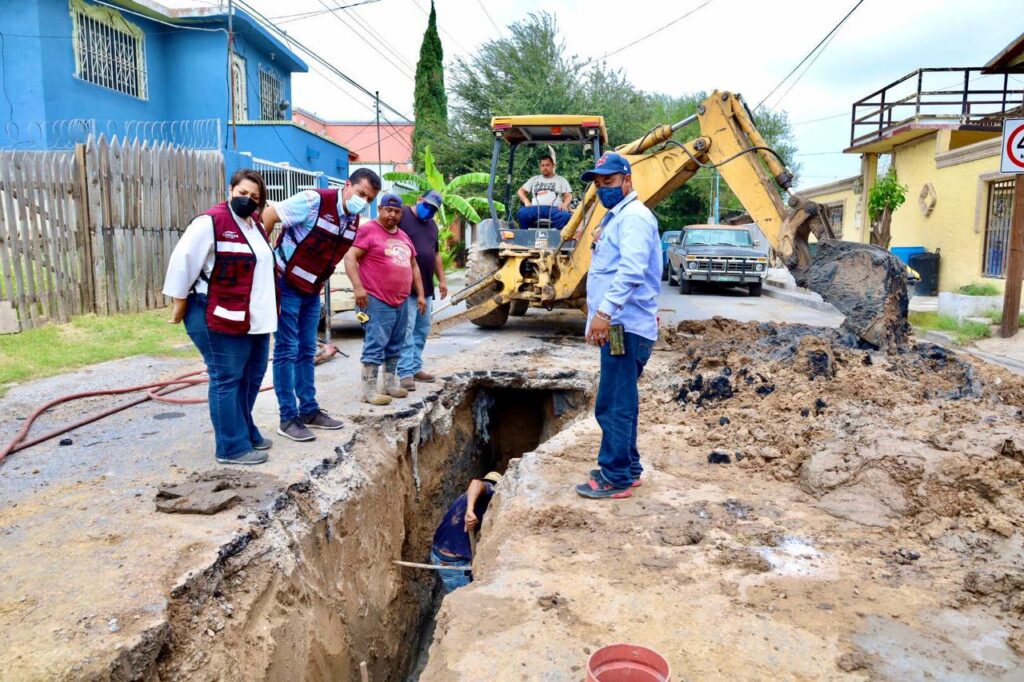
x=453 y=204
x=430 y=105
x=529 y=71
x=884 y=197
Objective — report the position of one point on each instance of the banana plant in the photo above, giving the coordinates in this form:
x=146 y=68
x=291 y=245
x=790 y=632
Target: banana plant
x=453 y=204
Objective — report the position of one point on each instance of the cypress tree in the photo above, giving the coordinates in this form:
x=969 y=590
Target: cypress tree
x=431 y=102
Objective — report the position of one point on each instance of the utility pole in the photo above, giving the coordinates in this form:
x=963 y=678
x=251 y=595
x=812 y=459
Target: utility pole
x=231 y=72
x=1015 y=266
x=380 y=172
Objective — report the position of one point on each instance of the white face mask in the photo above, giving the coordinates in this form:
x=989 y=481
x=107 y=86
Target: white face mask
x=356 y=204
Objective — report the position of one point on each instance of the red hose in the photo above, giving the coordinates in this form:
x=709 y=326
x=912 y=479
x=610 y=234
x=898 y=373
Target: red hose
x=154 y=391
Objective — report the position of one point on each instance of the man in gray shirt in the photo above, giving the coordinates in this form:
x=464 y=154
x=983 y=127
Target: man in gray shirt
x=545 y=196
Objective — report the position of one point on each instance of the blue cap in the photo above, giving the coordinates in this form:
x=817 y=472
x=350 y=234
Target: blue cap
x=432 y=198
x=390 y=199
x=609 y=164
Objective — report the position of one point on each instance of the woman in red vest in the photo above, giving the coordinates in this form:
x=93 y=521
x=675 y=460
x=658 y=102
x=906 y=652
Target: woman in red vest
x=221 y=277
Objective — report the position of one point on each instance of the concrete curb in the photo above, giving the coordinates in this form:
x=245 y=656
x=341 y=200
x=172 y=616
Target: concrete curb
x=944 y=340
x=799 y=299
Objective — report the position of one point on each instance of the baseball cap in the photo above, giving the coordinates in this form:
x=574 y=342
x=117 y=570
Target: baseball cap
x=432 y=198
x=610 y=163
x=493 y=477
x=390 y=199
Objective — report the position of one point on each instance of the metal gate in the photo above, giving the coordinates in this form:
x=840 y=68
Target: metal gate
x=283 y=181
x=997 y=228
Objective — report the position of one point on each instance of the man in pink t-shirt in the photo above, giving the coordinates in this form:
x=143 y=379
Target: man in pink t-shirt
x=382 y=267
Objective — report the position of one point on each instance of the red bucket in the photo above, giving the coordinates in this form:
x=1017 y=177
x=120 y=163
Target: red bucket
x=627 y=663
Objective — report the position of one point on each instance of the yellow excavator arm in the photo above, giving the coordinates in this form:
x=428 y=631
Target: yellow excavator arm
x=866 y=283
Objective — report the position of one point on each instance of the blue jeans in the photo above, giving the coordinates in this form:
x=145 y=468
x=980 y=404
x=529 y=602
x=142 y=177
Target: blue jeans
x=528 y=216
x=384 y=334
x=417 y=329
x=617 y=409
x=236 y=365
x=294 y=353
x=452 y=580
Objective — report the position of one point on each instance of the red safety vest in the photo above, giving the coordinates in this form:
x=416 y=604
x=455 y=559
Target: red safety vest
x=230 y=282
x=319 y=253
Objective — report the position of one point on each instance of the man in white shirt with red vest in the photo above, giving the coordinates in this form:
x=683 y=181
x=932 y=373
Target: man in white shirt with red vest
x=317 y=229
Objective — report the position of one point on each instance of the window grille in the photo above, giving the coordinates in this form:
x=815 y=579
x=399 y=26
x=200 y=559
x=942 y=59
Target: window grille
x=835 y=218
x=238 y=85
x=109 y=51
x=997 y=228
x=271 y=94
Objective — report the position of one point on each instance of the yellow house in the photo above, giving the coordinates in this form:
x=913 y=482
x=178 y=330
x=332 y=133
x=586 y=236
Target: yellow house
x=940 y=129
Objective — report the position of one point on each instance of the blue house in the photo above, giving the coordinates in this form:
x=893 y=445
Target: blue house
x=138 y=69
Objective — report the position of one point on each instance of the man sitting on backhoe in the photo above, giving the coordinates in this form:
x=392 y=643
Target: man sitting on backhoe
x=545 y=196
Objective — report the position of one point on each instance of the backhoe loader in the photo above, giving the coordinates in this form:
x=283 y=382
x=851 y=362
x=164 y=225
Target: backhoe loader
x=511 y=269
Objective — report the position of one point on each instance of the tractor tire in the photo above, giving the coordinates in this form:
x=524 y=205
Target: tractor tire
x=685 y=288
x=479 y=265
x=518 y=308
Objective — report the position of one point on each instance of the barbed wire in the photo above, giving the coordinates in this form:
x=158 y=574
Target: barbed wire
x=196 y=134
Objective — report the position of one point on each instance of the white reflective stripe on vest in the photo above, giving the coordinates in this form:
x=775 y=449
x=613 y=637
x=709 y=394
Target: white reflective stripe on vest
x=330 y=227
x=304 y=274
x=233 y=315
x=233 y=247
x=349 y=234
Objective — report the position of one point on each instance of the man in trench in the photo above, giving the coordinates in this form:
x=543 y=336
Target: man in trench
x=451 y=545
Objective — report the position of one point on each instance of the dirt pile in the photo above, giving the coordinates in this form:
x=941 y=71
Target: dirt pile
x=910 y=437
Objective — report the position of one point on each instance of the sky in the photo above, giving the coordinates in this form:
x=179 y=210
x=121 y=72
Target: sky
x=745 y=46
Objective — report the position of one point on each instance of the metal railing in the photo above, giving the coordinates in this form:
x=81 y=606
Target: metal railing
x=961 y=95
x=283 y=180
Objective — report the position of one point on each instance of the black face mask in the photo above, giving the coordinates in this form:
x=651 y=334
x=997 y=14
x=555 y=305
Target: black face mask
x=243 y=206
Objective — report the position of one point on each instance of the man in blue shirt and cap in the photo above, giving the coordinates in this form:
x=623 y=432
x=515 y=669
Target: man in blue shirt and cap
x=622 y=289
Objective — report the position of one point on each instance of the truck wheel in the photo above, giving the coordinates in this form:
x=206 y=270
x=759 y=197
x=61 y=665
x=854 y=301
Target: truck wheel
x=518 y=308
x=755 y=289
x=670 y=277
x=479 y=265
x=664 y=273
x=684 y=286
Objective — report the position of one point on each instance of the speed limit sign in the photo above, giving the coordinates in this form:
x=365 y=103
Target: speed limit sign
x=1012 y=155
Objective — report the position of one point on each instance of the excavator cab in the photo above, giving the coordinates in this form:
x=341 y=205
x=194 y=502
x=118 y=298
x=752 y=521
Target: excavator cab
x=514 y=132
x=499 y=237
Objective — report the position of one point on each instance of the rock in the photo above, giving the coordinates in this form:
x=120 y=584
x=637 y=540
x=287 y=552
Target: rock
x=113 y=625
x=746 y=559
x=719 y=457
x=723 y=421
x=1016 y=642
x=64 y=442
x=769 y=453
x=683 y=536
x=1000 y=524
x=853 y=660
x=979 y=583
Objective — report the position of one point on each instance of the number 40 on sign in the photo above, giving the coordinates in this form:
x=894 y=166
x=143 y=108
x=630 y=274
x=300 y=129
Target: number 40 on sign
x=1012 y=154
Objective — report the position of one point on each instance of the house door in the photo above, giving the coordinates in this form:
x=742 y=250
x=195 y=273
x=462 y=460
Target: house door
x=238 y=87
x=997 y=228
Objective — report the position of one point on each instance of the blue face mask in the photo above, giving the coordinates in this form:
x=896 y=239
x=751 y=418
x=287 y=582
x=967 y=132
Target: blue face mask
x=610 y=196
x=355 y=204
x=425 y=211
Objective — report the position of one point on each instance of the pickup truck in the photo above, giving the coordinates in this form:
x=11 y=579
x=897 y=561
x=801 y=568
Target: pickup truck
x=717 y=254
x=669 y=239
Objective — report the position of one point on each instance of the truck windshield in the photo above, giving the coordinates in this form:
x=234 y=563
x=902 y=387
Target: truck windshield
x=713 y=237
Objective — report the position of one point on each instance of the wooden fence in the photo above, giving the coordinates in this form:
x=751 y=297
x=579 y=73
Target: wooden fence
x=91 y=230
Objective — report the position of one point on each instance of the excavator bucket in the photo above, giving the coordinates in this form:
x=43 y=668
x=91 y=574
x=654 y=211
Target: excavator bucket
x=866 y=283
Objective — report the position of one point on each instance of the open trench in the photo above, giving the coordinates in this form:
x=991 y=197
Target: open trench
x=311 y=591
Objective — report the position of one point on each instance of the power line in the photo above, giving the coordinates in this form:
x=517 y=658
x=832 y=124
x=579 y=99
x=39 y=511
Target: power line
x=383 y=41
x=453 y=38
x=333 y=69
x=806 y=69
x=489 y=17
x=654 y=32
x=401 y=69
x=299 y=16
x=823 y=118
x=808 y=55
